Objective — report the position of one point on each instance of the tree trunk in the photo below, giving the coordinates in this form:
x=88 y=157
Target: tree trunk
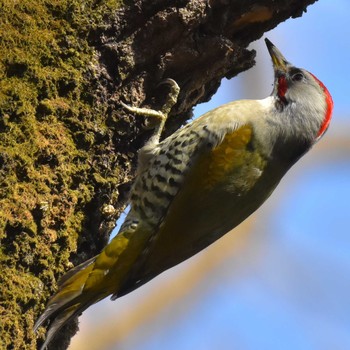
x=67 y=149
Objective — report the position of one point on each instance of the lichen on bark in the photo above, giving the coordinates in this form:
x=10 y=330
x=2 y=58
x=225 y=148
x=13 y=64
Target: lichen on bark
x=53 y=142
x=67 y=149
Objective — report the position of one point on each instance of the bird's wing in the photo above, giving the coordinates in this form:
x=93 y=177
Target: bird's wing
x=198 y=214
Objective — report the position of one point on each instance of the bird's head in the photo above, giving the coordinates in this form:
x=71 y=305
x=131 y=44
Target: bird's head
x=299 y=91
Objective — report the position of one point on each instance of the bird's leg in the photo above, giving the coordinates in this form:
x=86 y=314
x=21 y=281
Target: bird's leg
x=161 y=116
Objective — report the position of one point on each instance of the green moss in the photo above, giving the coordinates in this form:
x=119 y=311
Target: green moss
x=47 y=147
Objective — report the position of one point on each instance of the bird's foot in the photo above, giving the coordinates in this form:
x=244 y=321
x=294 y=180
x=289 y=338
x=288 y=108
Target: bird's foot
x=146 y=112
x=158 y=117
x=172 y=96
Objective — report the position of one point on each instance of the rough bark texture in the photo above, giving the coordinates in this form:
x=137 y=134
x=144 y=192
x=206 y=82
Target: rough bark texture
x=67 y=148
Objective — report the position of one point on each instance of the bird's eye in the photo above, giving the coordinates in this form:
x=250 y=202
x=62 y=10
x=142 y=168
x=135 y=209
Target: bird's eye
x=298 y=76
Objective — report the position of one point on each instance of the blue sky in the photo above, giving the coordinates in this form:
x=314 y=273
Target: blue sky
x=289 y=288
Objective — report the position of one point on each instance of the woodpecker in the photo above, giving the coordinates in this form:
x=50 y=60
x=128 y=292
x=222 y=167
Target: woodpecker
x=198 y=184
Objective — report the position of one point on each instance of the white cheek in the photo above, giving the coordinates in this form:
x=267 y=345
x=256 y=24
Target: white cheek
x=309 y=99
x=309 y=108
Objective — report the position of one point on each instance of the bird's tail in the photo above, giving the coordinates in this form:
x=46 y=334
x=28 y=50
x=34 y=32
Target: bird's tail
x=93 y=280
x=69 y=301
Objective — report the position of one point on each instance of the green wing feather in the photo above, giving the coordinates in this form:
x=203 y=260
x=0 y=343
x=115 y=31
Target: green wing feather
x=216 y=195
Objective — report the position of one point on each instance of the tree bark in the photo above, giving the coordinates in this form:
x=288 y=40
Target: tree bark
x=67 y=149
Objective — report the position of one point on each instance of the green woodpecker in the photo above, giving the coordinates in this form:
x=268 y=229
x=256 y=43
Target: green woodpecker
x=198 y=184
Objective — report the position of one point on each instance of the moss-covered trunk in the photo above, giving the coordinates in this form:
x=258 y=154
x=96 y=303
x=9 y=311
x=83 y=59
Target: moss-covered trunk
x=67 y=149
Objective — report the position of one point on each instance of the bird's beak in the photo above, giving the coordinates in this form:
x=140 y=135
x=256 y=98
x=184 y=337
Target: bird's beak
x=279 y=62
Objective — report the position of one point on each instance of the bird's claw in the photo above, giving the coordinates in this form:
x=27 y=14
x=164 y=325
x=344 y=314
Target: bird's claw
x=162 y=115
